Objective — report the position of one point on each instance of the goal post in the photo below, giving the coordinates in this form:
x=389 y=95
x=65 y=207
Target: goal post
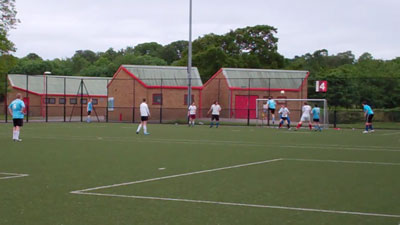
x=264 y=117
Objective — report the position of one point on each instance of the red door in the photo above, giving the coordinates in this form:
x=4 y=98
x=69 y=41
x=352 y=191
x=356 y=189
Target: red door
x=26 y=102
x=241 y=105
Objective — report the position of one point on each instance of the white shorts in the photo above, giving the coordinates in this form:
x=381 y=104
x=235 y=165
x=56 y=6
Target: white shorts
x=305 y=118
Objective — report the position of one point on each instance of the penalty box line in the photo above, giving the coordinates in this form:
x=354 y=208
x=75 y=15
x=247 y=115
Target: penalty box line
x=12 y=175
x=86 y=191
x=173 y=176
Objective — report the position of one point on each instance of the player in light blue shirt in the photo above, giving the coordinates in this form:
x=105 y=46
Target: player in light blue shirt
x=271 y=104
x=316 y=111
x=368 y=114
x=89 y=110
x=16 y=109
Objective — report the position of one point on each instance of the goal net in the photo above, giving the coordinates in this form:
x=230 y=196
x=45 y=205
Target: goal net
x=264 y=116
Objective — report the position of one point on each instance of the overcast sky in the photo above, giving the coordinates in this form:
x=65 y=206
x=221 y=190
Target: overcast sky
x=57 y=28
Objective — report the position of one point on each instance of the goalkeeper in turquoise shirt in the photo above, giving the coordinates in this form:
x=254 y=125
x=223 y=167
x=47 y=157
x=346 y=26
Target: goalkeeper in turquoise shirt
x=368 y=114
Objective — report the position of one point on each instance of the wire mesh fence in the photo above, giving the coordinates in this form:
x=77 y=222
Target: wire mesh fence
x=65 y=99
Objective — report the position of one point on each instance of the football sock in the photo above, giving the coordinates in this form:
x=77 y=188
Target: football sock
x=17 y=134
x=14 y=135
x=145 y=129
x=298 y=126
x=288 y=126
x=212 y=124
x=370 y=127
x=217 y=124
x=139 y=127
x=309 y=126
x=366 y=127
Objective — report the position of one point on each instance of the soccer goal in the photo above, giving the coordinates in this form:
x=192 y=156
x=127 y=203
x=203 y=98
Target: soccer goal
x=264 y=116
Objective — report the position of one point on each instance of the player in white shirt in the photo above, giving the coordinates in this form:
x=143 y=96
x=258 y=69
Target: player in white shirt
x=306 y=116
x=215 y=109
x=284 y=114
x=192 y=114
x=145 y=114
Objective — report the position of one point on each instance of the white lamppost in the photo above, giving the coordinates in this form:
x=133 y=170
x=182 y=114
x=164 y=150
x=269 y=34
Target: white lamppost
x=44 y=113
x=189 y=97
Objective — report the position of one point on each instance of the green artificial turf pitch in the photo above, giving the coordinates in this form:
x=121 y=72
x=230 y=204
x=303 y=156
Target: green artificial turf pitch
x=95 y=174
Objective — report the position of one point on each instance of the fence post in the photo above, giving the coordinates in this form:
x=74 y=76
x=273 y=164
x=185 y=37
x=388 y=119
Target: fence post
x=134 y=99
x=27 y=98
x=107 y=102
x=5 y=98
x=248 y=103
x=81 y=100
x=334 y=118
x=162 y=101
x=65 y=98
x=46 y=100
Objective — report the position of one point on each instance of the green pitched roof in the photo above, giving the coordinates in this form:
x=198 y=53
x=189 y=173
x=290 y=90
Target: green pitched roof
x=169 y=75
x=55 y=84
x=263 y=78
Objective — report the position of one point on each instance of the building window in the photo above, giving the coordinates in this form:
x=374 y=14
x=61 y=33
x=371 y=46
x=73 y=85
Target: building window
x=95 y=101
x=110 y=104
x=157 y=99
x=73 y=101
x=84 y=101
x=185 y=97
x=50 y=101
x=61 y=101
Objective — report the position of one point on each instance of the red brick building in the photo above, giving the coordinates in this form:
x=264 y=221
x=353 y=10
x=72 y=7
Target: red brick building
x=237 y=89
x=164 y=88
x=65 y=95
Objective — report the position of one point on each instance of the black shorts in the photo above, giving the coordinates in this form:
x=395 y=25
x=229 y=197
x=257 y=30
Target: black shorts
x=316 y=120
x=144 y=118
x=18 y=122
x=272 y=110
x=89 y=112
x=214 y=117
x=284 y=118
x=369 y=118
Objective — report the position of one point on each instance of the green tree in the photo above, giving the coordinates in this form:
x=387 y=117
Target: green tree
x=254 y=47
x=8 y=21
x=90 y=56
x=32 y=64
x=150 y=48
x=173 y=51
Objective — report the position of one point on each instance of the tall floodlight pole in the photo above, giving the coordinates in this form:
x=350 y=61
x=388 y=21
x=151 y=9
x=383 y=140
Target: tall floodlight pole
x=189 y=97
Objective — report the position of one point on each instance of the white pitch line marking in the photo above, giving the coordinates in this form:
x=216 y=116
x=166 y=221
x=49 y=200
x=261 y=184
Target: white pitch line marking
x=12 y=175
x=343 y=148
x=177 y=175
x=341 y=161
x=244 y=205
x=386 y=134
x=213 y=142
x=85 y=191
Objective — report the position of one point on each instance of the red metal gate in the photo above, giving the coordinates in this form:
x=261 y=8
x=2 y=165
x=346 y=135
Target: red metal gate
x=242 y=105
